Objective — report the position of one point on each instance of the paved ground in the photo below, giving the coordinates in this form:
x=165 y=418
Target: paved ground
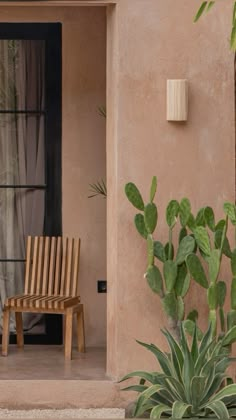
x=98 y=413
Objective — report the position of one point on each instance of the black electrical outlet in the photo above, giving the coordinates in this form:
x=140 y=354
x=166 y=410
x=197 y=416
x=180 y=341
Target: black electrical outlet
x=102 y=286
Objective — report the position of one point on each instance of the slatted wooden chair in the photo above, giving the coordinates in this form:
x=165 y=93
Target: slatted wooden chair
x=51 y=286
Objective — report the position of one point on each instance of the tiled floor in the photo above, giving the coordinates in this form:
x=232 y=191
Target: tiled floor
x=47 y=362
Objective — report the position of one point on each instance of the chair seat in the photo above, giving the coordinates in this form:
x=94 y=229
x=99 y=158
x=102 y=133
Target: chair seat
x=27 y=301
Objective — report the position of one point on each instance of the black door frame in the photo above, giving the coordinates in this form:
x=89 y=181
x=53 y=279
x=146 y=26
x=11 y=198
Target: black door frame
x=51 y=33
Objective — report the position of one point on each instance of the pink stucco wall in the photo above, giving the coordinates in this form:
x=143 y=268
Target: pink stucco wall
x=149 y=42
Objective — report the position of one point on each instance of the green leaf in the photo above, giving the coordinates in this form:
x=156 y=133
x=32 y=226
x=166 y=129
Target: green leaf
x=226 y=245
x=182 y=281
x=172 y=212
x=159 y=410
x=153 y=188
x=197 y=388
x=210 y=5
x=140 y=225
x=140 y=374
x=221 y=292
x=136 y=388
x=219 y=409
x=230 y=337
x=191 y=222
x=233 y=262
x=161 y=357
x=150 y=250
x=200 y=218
x=200 y=11
x=210 y=218
x=214 y=264
x=202 y=239
x=175 y=348
x=186 y=247
x=183 y=232
x=180 y=308
x=154 y=279
x=230 y=211
x=134 y=196
x=189 y=327
x=196 y=270
x=179 y=409
x=167 y=251
x=193 y=315
x=159 y=251
x=184 y=211
x=220 y=225
x=170 y=305
x=170 y=273
x=233 y=41
x=150 y=217
x=194 y=348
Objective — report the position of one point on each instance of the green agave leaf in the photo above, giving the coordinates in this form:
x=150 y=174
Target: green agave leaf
x=194 y=348
x=186 y=247
x=209 y=218
x=228 y=391
x=140 y=225
x=150 y=217
x=219 y=408
x=170 y=274
x=175 y=348
x=230 y=337
x=172 y=212
x=142 y=405
x=213 y=385
x=136 y=388
x=221 y=293
x=183 y=232
x=134 y=196
x=182 y=281
x=140 y=374
x=179 y=409
x=200 y=11
x=161 y=357
x=189 y=328
x=184 y=211
x=154 y=279
x=153 y=189
x=196 y=270
x=230 y=211
x=159 y=251
x=222 y=365
x=159 y=410
x=214 y=264
x=202 y=239
x=197 y=388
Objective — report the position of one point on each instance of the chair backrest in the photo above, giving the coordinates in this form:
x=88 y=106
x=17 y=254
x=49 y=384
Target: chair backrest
x=52 y=266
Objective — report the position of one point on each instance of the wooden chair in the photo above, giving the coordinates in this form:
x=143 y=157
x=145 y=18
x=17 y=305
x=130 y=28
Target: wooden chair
x=51 y=286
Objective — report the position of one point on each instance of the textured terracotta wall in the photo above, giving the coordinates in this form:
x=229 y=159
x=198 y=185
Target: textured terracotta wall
x=83 y=143
x=148 y=42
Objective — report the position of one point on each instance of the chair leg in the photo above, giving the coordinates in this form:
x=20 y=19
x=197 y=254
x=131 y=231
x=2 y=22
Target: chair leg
x=19 y=330
x=68 y=333
x=5 y=332
x=80 y=330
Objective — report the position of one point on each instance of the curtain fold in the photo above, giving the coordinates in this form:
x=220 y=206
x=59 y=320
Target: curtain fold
x=22 y=159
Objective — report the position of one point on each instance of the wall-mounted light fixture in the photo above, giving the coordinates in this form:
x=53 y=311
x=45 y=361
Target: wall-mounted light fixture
x=177 y=100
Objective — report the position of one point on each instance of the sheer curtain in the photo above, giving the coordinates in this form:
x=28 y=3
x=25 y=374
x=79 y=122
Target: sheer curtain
x=22 y=159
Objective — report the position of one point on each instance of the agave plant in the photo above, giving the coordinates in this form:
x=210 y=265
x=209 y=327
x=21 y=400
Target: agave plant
x=192 y=382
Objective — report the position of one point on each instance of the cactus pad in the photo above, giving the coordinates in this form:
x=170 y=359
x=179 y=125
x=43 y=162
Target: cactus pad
x=134 y=196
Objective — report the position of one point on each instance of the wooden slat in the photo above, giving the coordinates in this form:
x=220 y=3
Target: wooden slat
x=58 y=267
x=34 y=268
x=51 y=267
x=45 y=265
x=28 y=264
x=63 y=266
x=74 y=291
x=40 y=266
x=69 y=266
